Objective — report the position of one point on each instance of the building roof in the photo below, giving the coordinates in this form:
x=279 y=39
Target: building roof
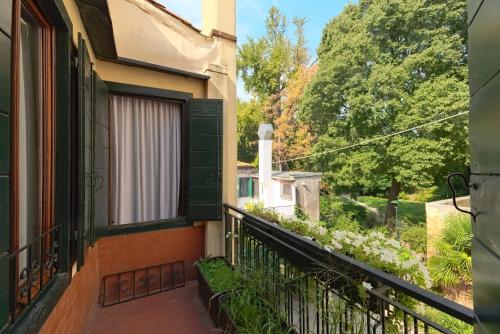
x=176 y=16
x=292 y=176
x=245 y=164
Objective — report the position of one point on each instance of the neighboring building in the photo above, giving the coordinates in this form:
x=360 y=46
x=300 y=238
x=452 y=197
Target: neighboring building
x=117 y=150
x=248 y=183
x=281 y=191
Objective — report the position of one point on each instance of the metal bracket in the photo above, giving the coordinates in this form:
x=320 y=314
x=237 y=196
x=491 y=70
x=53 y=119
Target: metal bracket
x=468 y=184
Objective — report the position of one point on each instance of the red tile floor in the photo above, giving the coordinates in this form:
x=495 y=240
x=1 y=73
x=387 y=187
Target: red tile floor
x=177 y=311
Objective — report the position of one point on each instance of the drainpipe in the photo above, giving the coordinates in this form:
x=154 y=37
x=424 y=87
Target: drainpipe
x=265 y=163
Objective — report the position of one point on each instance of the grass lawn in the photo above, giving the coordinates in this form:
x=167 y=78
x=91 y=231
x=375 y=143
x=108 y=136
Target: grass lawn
x=409 y=211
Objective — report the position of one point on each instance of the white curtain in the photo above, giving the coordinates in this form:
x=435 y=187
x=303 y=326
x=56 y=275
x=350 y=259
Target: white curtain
x=145 y=159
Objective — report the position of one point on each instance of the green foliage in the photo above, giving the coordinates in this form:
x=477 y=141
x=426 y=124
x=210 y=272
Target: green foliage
x=245 y=296
x=333 y=208
x=371 y=246
x=249 y=307
x=451 y=267
x=265 y=64
x=250 y=115
x=415 y=238
x=386 y=66
x=449 y=322
x=220 y=277
x=409 y=212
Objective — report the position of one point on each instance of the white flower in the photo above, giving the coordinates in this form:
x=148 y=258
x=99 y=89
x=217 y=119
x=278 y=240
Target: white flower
x=427 y=276
x=322 y=230
x=394 y=243
x=328 y=248
x=339 y=235
x=410 y=263
x=336 y=245
x=367 y=250
x=367 y=285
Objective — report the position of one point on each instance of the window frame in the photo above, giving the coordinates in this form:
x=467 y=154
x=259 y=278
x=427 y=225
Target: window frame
x=46 y=141
x=164 y=95
x=284 y=196
x=55 y=15
x=246 y=180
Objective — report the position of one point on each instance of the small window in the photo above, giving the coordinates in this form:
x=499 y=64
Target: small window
x=255 y=187
x=286 y=190
x=245 y=187
x=145 y=143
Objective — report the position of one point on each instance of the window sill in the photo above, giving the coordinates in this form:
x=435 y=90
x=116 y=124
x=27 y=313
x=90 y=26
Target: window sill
x=149 y=226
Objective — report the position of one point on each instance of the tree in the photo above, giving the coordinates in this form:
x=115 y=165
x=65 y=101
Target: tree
x=386 y=66
x=267 y=65
x=250 y=115
x=292 y=138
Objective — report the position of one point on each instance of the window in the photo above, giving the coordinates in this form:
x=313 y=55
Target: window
x=245 y=187
x=34 y=234
x=286 y=190
x=255 y=187
x=145 y=143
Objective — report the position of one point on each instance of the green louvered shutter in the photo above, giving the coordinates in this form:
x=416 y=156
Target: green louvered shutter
x=85 y=173
x=204 y=177
x=5 y=89
x=101 y=158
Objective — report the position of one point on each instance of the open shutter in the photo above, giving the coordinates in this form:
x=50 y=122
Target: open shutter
x=204 y=166
x=86 y=146
x=101 y=158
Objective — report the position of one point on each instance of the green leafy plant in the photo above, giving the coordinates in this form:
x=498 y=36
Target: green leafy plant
x=249 y=306
x=451 y=267
x=335 y=208
x=243 y=290
x=453 y=324
x=415 y=237
x=219 y=275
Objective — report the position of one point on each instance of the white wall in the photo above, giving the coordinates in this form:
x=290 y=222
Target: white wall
x=285 y=207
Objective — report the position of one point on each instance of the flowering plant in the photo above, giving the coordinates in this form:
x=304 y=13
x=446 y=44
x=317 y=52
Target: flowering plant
x=372 y=247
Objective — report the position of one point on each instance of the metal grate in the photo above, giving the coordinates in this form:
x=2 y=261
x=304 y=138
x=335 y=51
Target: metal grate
x=122 y=287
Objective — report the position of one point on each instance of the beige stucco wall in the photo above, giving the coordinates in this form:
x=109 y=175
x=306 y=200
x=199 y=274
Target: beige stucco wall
x=308 y=198
x=216 y=58
x=138 y=76
x=222 y=84
x=435 y=213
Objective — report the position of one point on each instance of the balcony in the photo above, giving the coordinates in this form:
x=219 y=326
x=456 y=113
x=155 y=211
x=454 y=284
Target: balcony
x=315 y=290
x=309 y=289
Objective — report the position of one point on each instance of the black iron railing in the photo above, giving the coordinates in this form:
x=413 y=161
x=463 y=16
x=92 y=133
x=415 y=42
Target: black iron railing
x=320 y=291
x=31 y=269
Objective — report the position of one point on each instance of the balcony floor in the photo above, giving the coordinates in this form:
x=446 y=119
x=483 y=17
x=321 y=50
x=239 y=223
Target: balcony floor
x=177 y=311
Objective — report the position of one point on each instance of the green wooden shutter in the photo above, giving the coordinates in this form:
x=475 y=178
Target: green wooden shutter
x=204 y=165
x=101 y=158
x=5 y=82
x=85 y=173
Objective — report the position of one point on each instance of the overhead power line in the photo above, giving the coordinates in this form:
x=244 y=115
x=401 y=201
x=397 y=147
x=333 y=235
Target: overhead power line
x=374 y=139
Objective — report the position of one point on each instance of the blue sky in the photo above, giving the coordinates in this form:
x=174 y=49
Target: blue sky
x=252 y=13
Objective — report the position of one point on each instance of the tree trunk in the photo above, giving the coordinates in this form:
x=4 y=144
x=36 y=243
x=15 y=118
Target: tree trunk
x=390 y=211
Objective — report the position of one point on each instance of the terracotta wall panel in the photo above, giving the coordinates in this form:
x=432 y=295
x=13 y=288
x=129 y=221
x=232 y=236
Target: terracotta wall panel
x=74 y=311
x=133 y=251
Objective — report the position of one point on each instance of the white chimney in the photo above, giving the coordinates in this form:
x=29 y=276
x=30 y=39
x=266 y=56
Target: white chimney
x=265 y=163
